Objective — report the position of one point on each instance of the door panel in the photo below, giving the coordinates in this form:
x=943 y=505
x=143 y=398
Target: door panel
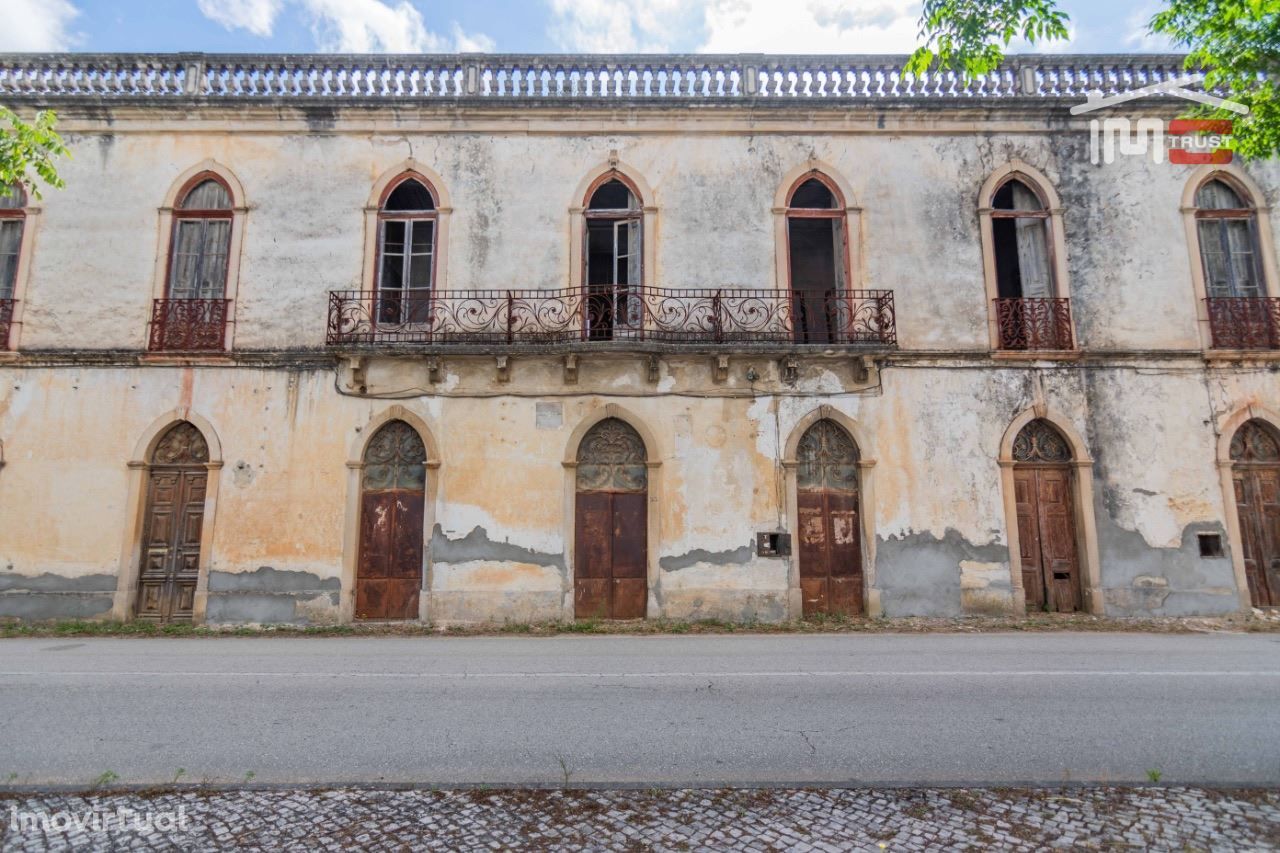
x=1258 y=508
x=611 y=555
x=830 y=552
x=1047 y=538
x=389 y=568
x=171 y=542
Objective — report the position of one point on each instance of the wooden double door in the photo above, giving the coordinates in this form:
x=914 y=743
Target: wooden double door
x=611 y=565
x=389 y=569
x=177 y=483
x=611 y=524
x=830 y=552
x=1047 y=537
x=1255 y=457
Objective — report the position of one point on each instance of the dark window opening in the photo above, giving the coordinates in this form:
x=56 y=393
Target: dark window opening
x=1019 y=234
x=1227 y=231
x=1210 y=544
x=817 y=275
x=409 y=196
x=813 y=194
x=613 y=259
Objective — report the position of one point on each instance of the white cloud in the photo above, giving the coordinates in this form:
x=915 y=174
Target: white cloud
x=37 y=25
x=732 y=26
x=811 y=26
x=1139 y=38
x=256 y=16
x=351 y=26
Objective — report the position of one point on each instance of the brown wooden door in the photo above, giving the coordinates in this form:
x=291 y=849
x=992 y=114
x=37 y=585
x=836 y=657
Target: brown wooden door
x=176 y=486
x=611 y=524
x=171 y=562
x=611 y=574
x=389 y=570
x=830 y=550
x=1047 y=538
x=1257 y=490
x=830 y=553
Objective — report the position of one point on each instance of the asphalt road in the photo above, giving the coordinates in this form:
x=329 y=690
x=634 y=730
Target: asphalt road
x=834 y=709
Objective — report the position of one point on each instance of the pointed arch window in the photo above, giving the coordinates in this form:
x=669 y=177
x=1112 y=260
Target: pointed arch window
x=1025 y=269
x=407 y=229
x=614 y=259
x=193 y=313
x=817 y=258
x=1240 y=314
x=13 y=219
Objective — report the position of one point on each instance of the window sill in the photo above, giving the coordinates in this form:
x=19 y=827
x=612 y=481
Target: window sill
x=1229 y=356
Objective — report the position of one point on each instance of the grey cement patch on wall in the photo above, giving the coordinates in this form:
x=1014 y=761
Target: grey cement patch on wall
x=736 y=557
x=36 y=606
x=270 y=596
x=477 y=545
x=918 y=574
x=270 y=609
x=268 y=579
x=49 y=582
x=1139 y=580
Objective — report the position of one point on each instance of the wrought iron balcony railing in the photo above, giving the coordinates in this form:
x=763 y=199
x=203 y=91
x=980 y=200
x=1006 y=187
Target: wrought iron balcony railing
x=621 y=314
x=1244 y=322
x=1034 y=324
x=6 y=322
x=189 y=325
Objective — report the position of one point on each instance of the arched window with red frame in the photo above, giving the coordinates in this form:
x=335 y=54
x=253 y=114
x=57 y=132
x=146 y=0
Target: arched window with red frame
x=817 y=258
x=201 y=242
x=12 y=221
x=406 y=266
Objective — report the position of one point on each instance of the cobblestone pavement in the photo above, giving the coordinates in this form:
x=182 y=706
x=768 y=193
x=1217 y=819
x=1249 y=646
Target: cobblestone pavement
x=760 y=819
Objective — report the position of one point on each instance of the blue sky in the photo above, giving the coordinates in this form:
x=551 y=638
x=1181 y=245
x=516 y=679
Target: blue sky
x=815 y=26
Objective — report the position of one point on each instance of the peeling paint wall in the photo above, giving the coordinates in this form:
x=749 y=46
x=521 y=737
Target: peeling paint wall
x=501 y=539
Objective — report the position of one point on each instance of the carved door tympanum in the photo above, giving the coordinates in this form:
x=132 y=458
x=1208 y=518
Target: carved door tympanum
x=1042 y=483
x=1255 y=472
x=392 y=502
x=830 y=533
x=611 y=524
x=178 y=478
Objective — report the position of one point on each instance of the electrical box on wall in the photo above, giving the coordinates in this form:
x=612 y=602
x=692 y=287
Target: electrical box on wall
x=773 y=544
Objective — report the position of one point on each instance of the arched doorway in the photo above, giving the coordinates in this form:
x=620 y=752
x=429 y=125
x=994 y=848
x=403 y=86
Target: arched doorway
x=392 y=502
x=177 y=483
x=831 y=577
x=611 y=524
x=1255 y=473
x=1042 y=487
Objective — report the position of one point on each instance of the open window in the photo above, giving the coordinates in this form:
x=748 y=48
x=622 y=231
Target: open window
x=192 y=313
x=817 y=258
x=614 y=267
x=1019 y=232
x=12 y=224
x=1025 y=269
x=407 y=219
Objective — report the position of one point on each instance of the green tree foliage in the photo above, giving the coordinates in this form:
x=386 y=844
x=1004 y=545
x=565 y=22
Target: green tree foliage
x=27 y=151
x=1236 y=42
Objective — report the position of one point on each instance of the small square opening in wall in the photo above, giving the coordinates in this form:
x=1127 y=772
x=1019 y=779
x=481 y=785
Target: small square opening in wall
x=773 y=544
x=1210 y=544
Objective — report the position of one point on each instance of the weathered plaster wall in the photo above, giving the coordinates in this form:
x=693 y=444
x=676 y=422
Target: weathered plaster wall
x=501 y=547
x=511 y=192
x=500 y=533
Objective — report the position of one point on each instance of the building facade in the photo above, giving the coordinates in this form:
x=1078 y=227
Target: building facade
x=486 y=338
